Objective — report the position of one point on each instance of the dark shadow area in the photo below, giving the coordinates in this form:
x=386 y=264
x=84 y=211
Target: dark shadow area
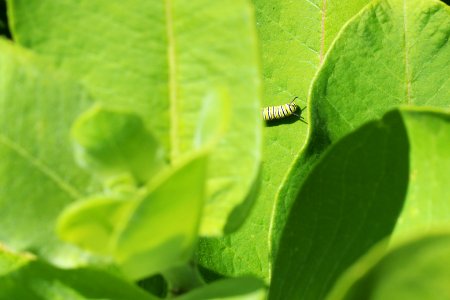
x=155 y=285
x=4 y=29
x=209 y=275
x=288 y=120
x=238 y=216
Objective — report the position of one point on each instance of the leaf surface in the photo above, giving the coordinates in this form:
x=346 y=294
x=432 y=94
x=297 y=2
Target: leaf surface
x=162 y=59
x=295 y=36
x=392 y=53
x=355 y=195
x=38 y=175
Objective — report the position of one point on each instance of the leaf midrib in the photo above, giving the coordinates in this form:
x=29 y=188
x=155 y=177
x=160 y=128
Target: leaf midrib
x=171 y=58
x=407 y=69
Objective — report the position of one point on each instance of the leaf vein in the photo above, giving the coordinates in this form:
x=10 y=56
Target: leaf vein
x=41 y=167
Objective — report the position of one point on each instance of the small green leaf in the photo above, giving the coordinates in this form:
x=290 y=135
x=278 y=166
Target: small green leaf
x=358 y=194
x=92 y=223
x=115 y=144
x=245 y=288
x=148 y=232
x=415 y=270
x=37 y=280
x=162 y=230
x=38 y=175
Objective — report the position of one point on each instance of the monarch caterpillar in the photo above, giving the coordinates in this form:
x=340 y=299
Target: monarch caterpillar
x=270 y=113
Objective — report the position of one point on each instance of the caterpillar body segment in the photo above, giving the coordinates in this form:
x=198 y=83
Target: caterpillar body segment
x=270 y=113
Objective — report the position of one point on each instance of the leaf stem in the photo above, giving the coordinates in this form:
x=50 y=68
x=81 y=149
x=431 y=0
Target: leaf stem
x=183 y=279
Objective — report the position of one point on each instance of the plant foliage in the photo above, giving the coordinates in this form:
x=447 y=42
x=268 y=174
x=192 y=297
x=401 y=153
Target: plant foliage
x=135 y=163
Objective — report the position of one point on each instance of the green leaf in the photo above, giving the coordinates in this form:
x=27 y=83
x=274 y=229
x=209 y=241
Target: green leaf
x=295 y=36
x=395 y=52
x=115 y=144
x=35 y=279
x=162 y=59
x=38 y=176
x=149 y=232
x=172 y=208
x=245 y=288
x=415 y=270
x=355 y=196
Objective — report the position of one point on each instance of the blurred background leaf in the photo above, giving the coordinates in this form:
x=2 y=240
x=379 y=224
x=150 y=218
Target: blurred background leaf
x=115 y=144
x=38 y=175
x=147 y=233
x=33 y=279
x=161 y=59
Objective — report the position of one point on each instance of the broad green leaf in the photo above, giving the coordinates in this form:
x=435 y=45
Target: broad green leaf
x=147 y=232
x=295 y=36
x=415 y=270
x=38 y=175
x=115 y=144
x=245 y=288
x=162 y=59
x=355 y=195
x=395 y=52
x=36 y=280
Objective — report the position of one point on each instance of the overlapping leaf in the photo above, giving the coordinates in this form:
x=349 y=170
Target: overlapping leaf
x=356 y=195
x=394 y=52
